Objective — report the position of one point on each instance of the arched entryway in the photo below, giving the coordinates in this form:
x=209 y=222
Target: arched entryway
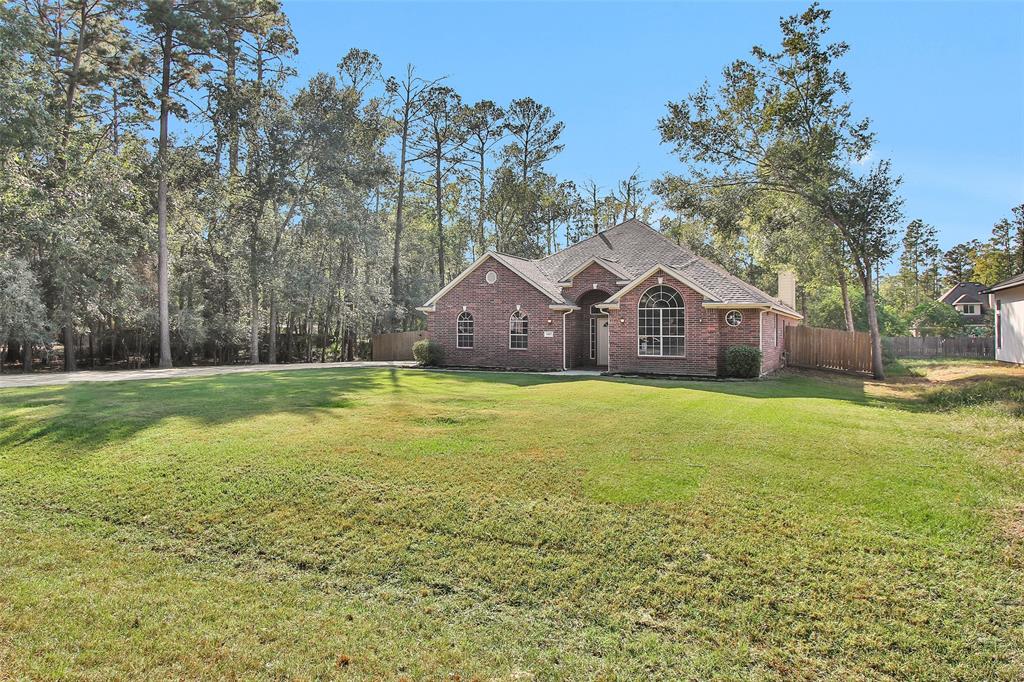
x=588 y=344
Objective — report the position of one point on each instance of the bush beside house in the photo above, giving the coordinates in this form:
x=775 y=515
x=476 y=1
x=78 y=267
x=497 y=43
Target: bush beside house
x=428 y=352
x=743 y=362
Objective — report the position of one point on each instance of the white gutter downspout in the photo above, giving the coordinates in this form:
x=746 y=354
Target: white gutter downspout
x=565 y=363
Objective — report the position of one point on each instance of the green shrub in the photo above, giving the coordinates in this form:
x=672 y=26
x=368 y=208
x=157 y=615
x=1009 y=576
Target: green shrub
x=427 y=352
x=742 y=361
x=935 y=318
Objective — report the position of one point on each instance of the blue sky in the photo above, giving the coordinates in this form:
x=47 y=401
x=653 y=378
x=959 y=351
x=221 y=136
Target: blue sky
x=942 y=82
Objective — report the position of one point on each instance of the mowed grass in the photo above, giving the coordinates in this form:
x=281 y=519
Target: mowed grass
x=391 y=524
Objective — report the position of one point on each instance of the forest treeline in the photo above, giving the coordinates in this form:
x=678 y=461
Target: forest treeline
x=171 y=193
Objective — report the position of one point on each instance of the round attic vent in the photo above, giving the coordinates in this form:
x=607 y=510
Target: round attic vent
x=491 y=277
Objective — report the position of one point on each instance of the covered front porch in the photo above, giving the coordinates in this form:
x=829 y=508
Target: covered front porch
x=587 y=333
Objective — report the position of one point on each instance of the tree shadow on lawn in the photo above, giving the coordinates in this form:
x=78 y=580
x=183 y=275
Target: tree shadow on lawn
x=91 y=415
x=87 y=416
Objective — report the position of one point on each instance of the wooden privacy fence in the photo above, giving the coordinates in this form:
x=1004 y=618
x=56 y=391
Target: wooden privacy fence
x=828 y=349
x=939 y=347
x=397 y=346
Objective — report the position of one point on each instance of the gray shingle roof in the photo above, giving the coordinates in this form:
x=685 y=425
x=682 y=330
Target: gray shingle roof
x=530 y=270
x=1014 y=281
x=631 y=249
x=635 y=247
x=972 y=290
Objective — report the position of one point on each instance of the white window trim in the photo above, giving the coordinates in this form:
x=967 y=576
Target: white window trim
x=593 y=338
x=526 y=318
x=471 y=335
x=662 y=336
x=730 y=312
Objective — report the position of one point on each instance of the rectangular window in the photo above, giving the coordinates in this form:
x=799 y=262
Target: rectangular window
x=518 y=328
x=661 y=331
x=970 y=309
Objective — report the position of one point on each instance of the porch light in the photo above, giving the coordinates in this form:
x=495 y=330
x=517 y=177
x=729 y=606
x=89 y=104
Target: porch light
x=549 y=320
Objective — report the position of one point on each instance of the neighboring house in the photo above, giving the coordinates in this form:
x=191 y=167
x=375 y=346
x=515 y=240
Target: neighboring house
x=970 y=301
x=1008 y=304
x=628 y=300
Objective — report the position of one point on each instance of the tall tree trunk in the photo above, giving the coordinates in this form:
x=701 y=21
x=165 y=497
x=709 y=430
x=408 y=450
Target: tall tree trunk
x=399 y=208
x=481 y=238
x=272 y=340
x=254 y=323
x=877 y=364
x=163 y=254
x=309 y=338
x=339 y=349
x=847 y=308
x=288 y=338
x=440 y=218
x=70 y=363
x=229 y=84
x=26 y=355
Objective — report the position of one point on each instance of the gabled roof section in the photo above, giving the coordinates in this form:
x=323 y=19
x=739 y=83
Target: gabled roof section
x=605 y=263
x=631 y=250
x=636 y=247
x=1015 y=281
x=708 y=296
x=526 y=269
x=958 y=291
x=966 y=298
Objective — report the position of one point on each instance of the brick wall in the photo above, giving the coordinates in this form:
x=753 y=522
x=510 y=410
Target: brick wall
x=746 y=334
x=701 y=327
x=707 y=334
x=773 y=347
x=593 y=285
x=491 y=306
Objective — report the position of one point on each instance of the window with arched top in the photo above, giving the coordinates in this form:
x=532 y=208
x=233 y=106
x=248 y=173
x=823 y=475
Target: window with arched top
x=660 y=329
x=464 y=330
x=518 y=326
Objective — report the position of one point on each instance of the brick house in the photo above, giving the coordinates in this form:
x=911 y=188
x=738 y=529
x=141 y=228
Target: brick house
x=628 y=300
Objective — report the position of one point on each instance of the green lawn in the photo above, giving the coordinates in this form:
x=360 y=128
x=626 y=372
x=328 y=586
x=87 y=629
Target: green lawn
x=387 y=524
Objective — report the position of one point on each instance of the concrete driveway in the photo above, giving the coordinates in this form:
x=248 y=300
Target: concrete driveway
x=58 y=378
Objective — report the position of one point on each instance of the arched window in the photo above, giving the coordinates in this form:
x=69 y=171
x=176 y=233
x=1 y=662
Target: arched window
x=660 y=328
x=518 y=326
x=464 y=330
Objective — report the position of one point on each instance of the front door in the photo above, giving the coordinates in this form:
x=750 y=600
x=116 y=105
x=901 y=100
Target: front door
x=602 y=341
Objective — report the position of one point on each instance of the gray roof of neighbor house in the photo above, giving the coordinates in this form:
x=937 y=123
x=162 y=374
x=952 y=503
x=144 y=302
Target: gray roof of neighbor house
x=1015 y=281
x=964 y=292
x=629 y=250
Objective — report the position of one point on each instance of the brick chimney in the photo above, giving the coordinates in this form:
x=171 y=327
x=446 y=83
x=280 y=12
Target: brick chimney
x=787 y=288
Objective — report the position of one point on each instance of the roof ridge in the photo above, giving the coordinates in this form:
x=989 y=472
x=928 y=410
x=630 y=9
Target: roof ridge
x=595 y=236
x=510 y=255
